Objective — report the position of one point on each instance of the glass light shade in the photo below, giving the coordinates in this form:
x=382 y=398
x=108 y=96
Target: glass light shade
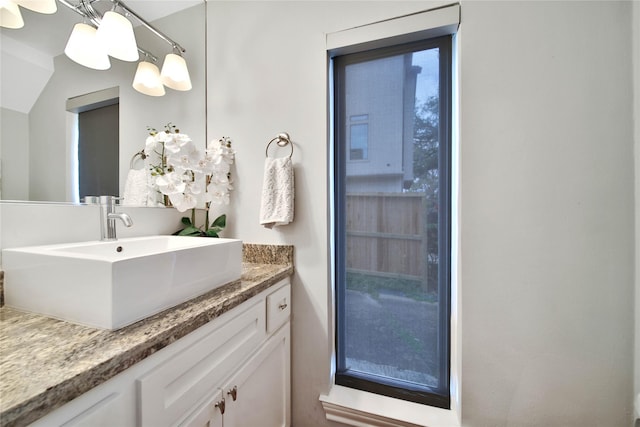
x=40 y=6
x=10 y=16
x=115 y=33
x=147 y=79
x=175 y=73
x=84 y=49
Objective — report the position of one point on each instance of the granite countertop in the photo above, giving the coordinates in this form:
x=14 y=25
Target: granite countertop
x=45 y=363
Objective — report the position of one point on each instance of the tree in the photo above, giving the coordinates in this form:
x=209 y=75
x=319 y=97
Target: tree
x=425 y=169
x=425 y=140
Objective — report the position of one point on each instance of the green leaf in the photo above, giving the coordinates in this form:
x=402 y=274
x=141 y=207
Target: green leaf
x=211 y=233
x=190 y=231
x=221 y=221
x=186 y=221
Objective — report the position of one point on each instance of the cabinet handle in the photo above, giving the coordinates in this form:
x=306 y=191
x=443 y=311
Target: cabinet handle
x=233 y=393
x=220 y=405
x=282 y=306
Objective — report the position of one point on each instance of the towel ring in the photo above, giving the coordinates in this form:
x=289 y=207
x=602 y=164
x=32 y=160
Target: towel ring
x=283 y=139
x=133 y=159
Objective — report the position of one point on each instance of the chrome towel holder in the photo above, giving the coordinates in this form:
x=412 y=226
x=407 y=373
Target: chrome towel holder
x=283 y=139
x=141 y=154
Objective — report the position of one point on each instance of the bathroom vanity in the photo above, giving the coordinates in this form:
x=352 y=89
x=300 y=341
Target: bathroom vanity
x=221 y=357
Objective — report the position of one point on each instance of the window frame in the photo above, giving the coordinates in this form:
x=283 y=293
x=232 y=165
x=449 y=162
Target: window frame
x=438 y=396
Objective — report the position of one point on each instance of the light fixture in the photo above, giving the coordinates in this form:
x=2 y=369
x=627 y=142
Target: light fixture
x=115 y=37
x=83 y=48
x=40 y=6
x=10 y=16
x=175 y=73
x=115 y=33
x=147 y=79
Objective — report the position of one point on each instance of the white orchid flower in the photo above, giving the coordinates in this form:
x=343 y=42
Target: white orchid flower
x=150 y=145
x=188 y=176
x=206 y=164
x=217 y=194
x=170 y=183
x=183 y=201
x=178 y=142
x=186 y=158
x=194 y=187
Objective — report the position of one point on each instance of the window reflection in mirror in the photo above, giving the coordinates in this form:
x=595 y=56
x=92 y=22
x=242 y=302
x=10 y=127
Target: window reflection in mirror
x=95 y=144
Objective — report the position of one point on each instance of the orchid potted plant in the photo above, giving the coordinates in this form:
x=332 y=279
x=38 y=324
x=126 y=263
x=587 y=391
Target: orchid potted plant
x=187 y=178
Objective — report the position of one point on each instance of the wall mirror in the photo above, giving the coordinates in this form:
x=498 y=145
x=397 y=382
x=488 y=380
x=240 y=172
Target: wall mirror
x=37 y=159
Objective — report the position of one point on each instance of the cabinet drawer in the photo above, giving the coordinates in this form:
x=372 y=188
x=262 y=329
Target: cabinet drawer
x=278 y=308
x=172 y=389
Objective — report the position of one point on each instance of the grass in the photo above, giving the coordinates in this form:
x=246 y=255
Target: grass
x=374 y=285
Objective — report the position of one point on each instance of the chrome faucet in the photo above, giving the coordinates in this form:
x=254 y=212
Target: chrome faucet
x=108 y=218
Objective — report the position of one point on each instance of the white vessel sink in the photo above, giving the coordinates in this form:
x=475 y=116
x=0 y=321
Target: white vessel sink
x=112 y=284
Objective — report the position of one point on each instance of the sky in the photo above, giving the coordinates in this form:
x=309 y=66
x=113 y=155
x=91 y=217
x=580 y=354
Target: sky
x=427 y=81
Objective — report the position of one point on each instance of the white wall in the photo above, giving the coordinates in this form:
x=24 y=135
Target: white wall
x=14 y=154
x=49 y=160
x=24 y=71
x=546 y=193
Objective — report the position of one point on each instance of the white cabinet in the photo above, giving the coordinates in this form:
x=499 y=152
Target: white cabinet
x=169 y=391
x=209 y=415
x=234 y=371
x=278 y=308
x=257 y=394
x=261 y=387
x=110 y=404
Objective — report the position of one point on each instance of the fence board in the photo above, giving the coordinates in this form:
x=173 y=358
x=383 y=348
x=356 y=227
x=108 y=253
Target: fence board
x=386 y=234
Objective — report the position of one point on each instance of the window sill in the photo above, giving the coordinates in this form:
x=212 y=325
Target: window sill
x=360 y=408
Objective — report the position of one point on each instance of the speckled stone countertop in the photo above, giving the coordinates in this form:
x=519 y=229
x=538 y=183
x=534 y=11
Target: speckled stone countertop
x=45 y=363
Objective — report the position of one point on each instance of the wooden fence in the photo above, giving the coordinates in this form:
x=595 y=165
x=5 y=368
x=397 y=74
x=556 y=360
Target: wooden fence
x=387 y=235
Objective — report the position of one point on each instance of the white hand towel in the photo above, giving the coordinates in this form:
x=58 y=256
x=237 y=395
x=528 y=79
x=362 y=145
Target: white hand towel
x=277 y=192
x=136 y=189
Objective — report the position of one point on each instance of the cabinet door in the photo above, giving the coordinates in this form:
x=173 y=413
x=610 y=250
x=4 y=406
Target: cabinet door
x=172 y=389
x=208 y=415
x=262 y=386
x=112 y=403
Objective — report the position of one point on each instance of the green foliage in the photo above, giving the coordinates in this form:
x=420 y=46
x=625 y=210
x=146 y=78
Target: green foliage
x=213 y=231
x=374 y=285
x=426 y=144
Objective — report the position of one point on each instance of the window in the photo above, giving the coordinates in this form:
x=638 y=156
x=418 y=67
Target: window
x=98 y=151
x=359 y=137
x=94 y=143
x=392 y=220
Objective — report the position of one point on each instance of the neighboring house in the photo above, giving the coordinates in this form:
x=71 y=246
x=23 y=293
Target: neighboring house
x=389 y=167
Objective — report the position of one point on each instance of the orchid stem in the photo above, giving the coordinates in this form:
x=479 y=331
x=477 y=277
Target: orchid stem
x=206 y=216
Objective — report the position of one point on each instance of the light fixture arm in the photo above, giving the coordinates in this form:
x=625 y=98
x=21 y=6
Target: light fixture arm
x=83 y=9
x=148 y=54
x=86 y=10
x=148 y=26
